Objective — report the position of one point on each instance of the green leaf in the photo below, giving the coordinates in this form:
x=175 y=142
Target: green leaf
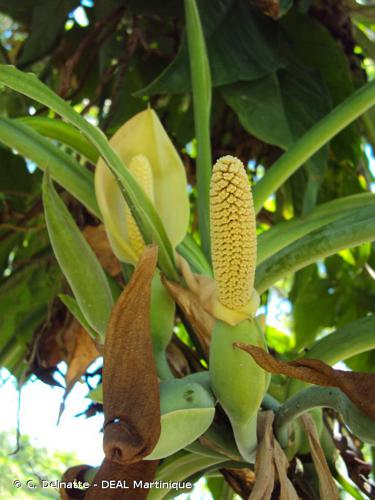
x=364 y=362
x=366 y=44
x=368 y=121
x=279 y=108
x=47 y=22
x=349 y=231
x=314 y=45
x=344 y=114
x=285 y=5
x=278 y=340
x=180 y=466
x=242 y=45
x=8 y=243
x=140 y=205
x=62 y=132
x=202 y=95
x=192 y=252
x=74 y=177
x=219 y=488
x=124 y=104
x=14 y=352
x=77 y=260
x=352 y=339
x=73 y=307
x=310 y=294
x=282 y=234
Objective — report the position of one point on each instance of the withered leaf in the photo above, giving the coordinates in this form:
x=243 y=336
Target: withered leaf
x=358 y=386
x=270 y=463
x=130 y=390
x=176 y=359
x=81 y=357
x=81 y=352
x=268 y=7
x=97 y=238
x=327 y=487
x=130 y=383
x=264 y=468
x=129 y=475
x=240 y=480
x=287 y=491
x=201 y=322
x=75 y=473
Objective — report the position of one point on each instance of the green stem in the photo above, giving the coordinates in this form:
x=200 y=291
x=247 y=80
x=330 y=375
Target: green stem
x=270 y=403
x=300 y=403
x=348 y=487
x=324 y=397
x=201 y=86
x=345 y=113
x=192 y=252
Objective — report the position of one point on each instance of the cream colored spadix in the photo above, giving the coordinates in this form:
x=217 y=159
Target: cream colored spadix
x=142 y=140
x=141 y=169
x=233 y=240
x=230 y=296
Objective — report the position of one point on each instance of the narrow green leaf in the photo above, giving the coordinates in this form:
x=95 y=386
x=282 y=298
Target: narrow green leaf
x=63 y=168
x=284 y=233
x=140 y=205
x=349 y=231
x=344 y=114
x=192 y=252
x=62 y=132
x=354 y=338
x=73 y=307
x=201 y=86
x=77 y=260
x=178 y=467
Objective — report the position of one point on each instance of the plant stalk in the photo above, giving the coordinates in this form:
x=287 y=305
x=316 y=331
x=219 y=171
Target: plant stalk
x=201 y=87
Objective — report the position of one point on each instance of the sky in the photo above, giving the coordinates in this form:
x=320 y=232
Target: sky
x=40 y=405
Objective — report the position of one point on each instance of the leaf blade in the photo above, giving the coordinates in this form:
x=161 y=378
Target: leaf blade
x=85 y=276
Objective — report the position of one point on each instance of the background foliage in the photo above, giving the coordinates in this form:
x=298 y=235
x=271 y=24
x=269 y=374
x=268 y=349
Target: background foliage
x=30 y=464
